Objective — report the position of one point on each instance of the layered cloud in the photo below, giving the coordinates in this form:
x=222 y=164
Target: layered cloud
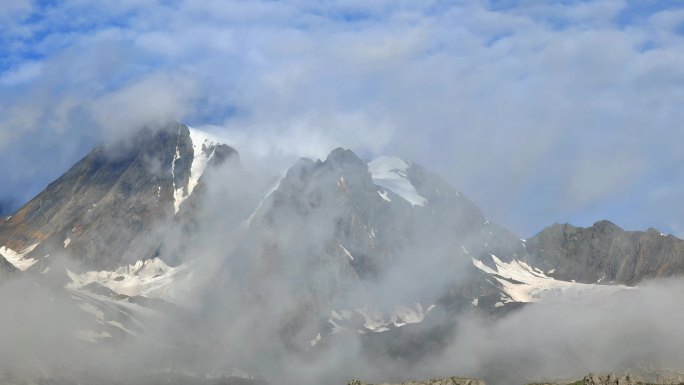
x=541 y=112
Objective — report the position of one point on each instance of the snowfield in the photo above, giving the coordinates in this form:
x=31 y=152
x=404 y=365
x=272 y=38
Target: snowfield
x=376 y=321
x=390 y=173
x=521 y=282
x=17 y=258
x=151 y=278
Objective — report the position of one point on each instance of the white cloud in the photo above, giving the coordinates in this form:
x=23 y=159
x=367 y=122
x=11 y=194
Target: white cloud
x=22 y=74
x=157 y=97
x=506 y=103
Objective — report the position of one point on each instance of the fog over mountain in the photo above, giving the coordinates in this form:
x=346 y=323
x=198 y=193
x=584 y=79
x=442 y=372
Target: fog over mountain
x=540 y=112
x=313 y=192
x=164 y=257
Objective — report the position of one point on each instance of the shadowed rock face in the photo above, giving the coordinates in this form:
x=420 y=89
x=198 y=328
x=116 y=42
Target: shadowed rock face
x=6 y=268
x=604 y=252
x=100 y=211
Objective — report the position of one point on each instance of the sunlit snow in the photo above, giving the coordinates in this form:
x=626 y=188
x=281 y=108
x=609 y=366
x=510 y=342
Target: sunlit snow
x=200 y=141
x=390 y=173
x=377 y=321
x=521 y=282
x=17 y=258
x=150 y=278
x=351 y=258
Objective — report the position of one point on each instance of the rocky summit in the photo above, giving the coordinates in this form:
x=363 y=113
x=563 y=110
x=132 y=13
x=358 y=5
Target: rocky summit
x=102 y=211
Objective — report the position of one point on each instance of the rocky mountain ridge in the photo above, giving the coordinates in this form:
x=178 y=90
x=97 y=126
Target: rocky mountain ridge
x=606 y=253
x=102 y=213
x=338 y=248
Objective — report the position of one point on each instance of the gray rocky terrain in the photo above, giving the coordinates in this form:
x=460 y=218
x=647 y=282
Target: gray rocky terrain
x=606 y=253
x=590 y=379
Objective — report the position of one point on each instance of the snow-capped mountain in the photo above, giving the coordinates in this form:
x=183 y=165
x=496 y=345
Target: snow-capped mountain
x=383 y=248
x=102 y=211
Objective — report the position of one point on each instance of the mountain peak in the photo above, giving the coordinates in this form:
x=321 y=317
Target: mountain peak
x=606 y=225
x=342 y=156
x=145 y=179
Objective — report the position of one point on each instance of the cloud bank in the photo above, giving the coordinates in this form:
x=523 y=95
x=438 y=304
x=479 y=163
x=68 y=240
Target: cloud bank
x=562 y=111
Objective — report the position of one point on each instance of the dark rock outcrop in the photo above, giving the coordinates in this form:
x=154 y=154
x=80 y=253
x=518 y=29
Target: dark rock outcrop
x=606 y=253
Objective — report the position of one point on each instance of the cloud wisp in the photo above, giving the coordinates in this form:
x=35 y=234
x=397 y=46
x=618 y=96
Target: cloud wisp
x=541 y=113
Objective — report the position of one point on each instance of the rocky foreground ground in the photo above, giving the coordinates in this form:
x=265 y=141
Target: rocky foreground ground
x=591 y=379
x=434 y=381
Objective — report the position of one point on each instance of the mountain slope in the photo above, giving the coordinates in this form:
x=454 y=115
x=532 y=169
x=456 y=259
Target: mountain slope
x=383 y=253
x=102 y=210
x=606 y=253
x=361 y=247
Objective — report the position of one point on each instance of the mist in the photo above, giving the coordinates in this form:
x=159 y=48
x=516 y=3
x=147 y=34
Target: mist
x=256 y=299
x=539 y=113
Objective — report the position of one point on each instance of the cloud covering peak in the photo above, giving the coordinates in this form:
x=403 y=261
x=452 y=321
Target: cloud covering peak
x=561 y=111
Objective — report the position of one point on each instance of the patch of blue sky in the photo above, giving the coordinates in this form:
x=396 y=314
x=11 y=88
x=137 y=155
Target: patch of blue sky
x=679 y=29
x=636 y=11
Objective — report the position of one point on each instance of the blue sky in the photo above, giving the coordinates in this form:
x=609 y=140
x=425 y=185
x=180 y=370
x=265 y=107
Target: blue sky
x=541 y=112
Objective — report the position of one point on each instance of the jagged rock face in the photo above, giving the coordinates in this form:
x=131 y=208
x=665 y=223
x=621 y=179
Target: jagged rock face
x=435 y=381
x=606 y=253
x=101 y=211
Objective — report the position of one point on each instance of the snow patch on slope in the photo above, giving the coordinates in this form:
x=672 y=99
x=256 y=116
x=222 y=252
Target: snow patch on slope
x=91 y=335
x=346 y=252
x=203 y=150
x=384 y=196
x=390 y=173
x=17 y=258
x=521 y=282
x=376 y=321
x=177 y=192
x=150 y=278
x=247 y=222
